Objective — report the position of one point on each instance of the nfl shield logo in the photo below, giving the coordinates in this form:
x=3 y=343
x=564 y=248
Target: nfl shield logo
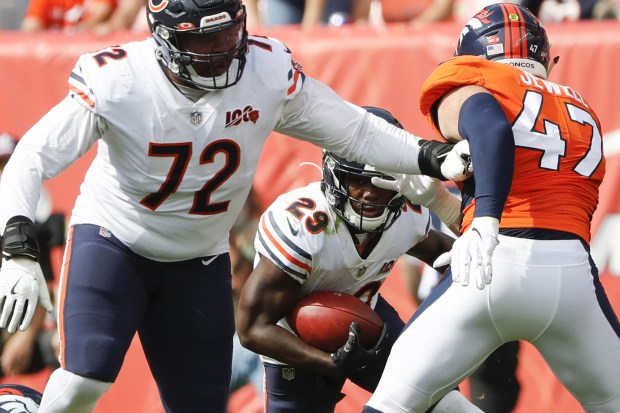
x=196 y=118
x=288 y=373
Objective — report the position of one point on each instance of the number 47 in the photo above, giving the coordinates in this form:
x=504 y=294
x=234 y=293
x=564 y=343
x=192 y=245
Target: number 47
x=550 y=142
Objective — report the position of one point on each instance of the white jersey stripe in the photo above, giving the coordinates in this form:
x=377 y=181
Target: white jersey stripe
x=286 y=240
x=282 y=250
x=274 y=258
x=295 y=84
x=78 y=86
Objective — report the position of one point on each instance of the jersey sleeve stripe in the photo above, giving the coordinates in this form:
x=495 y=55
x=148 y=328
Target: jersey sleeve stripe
x=82 y=95
x=79 y=87
x=295 y=75
x=78 y=79
x=278 y=262
x=287 y=241
x=282 y=250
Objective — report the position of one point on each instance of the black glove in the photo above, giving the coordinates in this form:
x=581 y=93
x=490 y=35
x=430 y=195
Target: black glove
x=352 y=356
x=432 y=154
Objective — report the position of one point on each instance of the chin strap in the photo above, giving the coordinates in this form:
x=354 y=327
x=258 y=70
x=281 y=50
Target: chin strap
x=364 y=223
x=552 y=64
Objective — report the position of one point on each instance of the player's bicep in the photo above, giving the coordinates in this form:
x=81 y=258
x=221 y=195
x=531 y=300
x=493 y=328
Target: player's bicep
x=268 y=295
x=448 y=110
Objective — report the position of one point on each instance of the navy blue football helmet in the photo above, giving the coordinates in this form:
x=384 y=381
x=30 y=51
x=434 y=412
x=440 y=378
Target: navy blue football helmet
x=338 y=172
x=507 y=33
x=202 y=42
x=15 y=398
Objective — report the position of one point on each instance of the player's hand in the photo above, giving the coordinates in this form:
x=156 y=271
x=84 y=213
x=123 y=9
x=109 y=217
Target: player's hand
x=443 y=260
x=22 y=285
x=419 y=189
x=352 y=356
x=426 y=191
x=472 y=252
x=457 y=165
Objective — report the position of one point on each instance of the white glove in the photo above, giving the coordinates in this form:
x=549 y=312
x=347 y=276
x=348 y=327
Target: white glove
x=426 y=191
x=443 y=260
x=21 y=285
x=472 y=252
x=458 y=166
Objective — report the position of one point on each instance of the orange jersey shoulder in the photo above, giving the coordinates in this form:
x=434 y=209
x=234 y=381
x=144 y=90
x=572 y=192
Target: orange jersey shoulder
x=559 y=162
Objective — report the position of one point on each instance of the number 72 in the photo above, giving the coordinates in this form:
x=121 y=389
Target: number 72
x=181 y=154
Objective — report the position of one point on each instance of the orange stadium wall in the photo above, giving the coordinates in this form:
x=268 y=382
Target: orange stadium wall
x=368 y=66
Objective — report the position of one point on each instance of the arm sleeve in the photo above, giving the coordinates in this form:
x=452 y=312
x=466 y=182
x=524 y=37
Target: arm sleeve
x=318 y=115
x=63 y=135
x=483 y=123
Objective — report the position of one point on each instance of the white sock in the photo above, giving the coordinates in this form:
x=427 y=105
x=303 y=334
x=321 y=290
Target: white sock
x=66 y=392
x=455 y=402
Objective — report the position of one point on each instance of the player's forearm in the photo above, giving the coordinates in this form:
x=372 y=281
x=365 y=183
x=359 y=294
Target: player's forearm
x=20 y=188
x=275 y=342
x=318 y=115
x=56 y=141
x=483 y=123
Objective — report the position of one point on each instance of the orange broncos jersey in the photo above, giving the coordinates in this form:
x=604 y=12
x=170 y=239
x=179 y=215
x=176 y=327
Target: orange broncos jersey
x=559 y=161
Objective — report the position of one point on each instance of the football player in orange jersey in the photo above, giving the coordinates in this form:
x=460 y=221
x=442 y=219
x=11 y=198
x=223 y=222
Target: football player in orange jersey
x=538 y=156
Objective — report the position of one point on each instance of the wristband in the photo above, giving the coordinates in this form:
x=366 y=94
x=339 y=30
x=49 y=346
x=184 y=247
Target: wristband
x=430 y=157
x=20 y=239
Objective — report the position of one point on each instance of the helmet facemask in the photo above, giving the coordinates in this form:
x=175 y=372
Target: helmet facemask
x=337 y=175
x=210 y=56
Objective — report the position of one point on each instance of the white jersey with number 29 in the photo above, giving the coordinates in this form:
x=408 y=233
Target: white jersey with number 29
x=301 y=234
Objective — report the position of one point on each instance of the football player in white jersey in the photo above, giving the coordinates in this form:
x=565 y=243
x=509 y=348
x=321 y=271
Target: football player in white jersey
x=341 y=234
x=180 y=120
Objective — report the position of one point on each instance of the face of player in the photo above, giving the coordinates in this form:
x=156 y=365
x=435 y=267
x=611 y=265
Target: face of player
x=373 y=199
x=210 y=52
